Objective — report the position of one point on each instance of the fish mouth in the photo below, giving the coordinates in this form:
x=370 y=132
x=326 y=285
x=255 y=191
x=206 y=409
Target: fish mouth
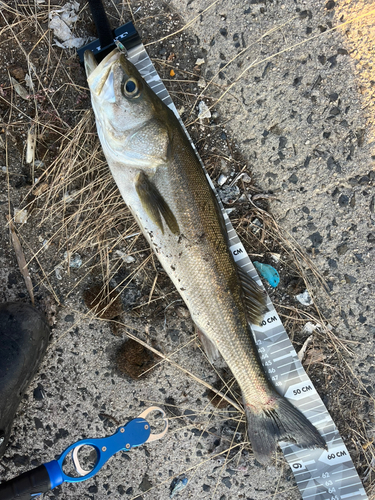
x=100 y=76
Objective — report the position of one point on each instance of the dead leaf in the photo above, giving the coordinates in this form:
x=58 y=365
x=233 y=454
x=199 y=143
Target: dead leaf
x=40 y=189
x=314 y=356
x=21 y=260
x=20 y=90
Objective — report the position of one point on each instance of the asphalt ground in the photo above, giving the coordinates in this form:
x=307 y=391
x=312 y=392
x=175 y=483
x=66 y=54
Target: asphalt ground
x=298 y=106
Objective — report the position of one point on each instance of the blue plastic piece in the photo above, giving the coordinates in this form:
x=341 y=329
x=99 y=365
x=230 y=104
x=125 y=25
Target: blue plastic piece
x=135 y=433
x=268 y=272
x=54 y=472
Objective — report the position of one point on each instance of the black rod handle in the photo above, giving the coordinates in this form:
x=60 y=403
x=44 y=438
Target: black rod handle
x=26 y=486
x=101 y=22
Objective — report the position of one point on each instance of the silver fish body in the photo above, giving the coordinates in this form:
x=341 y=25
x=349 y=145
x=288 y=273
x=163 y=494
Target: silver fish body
x=164 y=186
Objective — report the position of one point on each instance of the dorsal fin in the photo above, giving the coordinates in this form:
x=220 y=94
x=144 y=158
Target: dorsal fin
x=255 y=299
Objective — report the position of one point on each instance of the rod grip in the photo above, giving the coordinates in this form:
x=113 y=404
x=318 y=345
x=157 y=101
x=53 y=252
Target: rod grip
x=26 y=486
x=101 y=22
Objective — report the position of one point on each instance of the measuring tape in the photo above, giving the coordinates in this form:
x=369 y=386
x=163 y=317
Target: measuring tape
x=320 y=474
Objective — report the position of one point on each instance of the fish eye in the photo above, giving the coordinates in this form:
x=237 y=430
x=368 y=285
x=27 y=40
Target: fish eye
x=131 y=88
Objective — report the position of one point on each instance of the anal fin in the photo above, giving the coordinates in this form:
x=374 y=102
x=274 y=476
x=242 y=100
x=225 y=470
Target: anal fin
x=212 y=352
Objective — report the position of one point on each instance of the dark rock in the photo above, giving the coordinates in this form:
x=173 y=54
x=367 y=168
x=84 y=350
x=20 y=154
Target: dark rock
x=39 y=393
x=199 y=433
x=62 y=433
x=316 y=239
x=342 y=52
x=332 y=263
x=333 y=61
x=293 y=179
x=20 y=460
x=362 y=319
x=145 y=484
x=307 y=161
x=322 y=59
x=38 y=423
x=121 y=489
x=191 y=414
x=227 y=482
x=282 y=142
x=342 y=248
x=69 y=318
x=334 y=111
x=333 y=96
x=343 y=200
x=129 y=491
x=330 y=5
x=93 y=489
x=360 y=134
x=371 y=238
x=206 y=487
x=223 y=31
x=174 y=334
x=349 y=279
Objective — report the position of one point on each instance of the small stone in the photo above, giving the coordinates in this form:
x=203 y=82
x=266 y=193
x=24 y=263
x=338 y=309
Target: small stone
x=222 y=179
x=330 y=4
x=199 y=62
x=201 y=83
x=75 y=261
x=145 y=484
x=304 y=298
x=227 y=482
x=203 y=111
x=334 y=111
x=39 y=393
x=20 y=216
x=17 y=72
x=223 y=31
x=229 y=194
x=316 y=239
x=342 y=248
x=343 y=200
x=191 y=414
x=128 y=259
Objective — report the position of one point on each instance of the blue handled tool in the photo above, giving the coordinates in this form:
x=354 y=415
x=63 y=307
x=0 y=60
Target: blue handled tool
x=47 y=476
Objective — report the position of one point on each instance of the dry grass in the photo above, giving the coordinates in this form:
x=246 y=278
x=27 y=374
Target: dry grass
x=76 y=202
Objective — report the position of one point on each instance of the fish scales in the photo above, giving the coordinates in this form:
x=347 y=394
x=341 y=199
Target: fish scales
x=162 y=182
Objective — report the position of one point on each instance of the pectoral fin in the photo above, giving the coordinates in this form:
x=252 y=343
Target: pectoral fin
x=154 y=204
x=255 y=298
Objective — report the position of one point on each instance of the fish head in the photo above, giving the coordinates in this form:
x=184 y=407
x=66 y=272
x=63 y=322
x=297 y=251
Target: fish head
x=128 y=113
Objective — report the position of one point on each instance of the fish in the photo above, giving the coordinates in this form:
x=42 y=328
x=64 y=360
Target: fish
x=163 y=184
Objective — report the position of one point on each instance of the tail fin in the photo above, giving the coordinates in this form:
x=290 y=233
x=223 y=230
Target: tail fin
x=283 y=422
